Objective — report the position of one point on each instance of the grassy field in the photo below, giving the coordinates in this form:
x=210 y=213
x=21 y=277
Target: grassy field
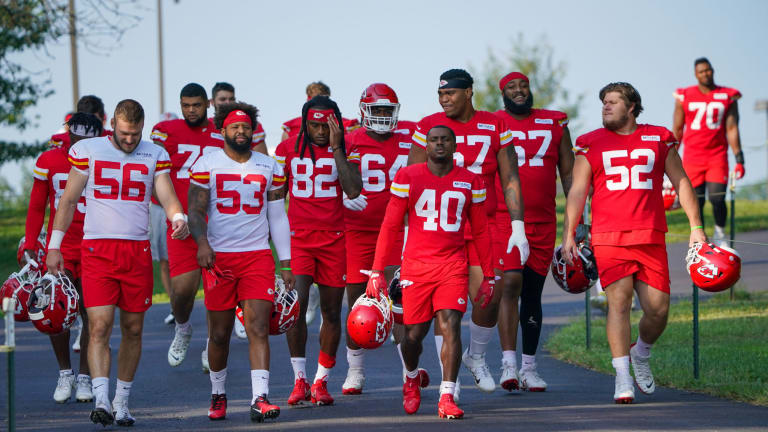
x=733 y=347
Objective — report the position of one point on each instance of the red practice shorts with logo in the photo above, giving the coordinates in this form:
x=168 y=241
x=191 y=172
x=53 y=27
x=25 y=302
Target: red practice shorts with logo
x=711 y=171
x=435 y=286
x=361 y=247
x=647 y=262
x=319 y=254
x=182 y=255
x=541 y=242
x=250 y=276
x=117 y=272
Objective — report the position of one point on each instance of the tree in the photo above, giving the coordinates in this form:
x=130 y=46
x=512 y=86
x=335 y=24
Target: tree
x=537 y=62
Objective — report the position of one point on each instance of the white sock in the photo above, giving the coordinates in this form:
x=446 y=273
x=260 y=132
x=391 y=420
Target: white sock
x=529 y=361
x=719 y=231
x=478 y=339
x=218 y=381
x=299 y=365
x=185 y=328
x=642 y=347
x=259 y=383
x=355 y=358
x=439 y=347
x=509 y=357
x=621 y=364
x=100 y=386
x=65 y=372
x=412 y=374
x=400 y=353
x=447 y=387
x=83 y=376
x=123 y=389
x=322 y=373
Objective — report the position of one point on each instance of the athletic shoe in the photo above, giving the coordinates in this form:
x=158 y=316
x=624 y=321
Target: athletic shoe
x=599 y=301
x=509 y=381
x=423 y=377
x=447 y=408
x=102 y=414
x=79 y=327
x=353 y=385
x=177 y=352
x=301 y=392
x=718 y=238
x=64 y=388
x=170 y=319
x=240 y=330
x=642 y=368
x=262 y=409
x=204 y=361
x=313 y=304
x=531 y=381
x=457 y=390
x=123 y=417
x=84 y=392
x=412 y=395
x=479 y=370
x=319 y=393
x=625 y=391
x=218 y=409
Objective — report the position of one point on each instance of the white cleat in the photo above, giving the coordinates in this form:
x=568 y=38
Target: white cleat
x=240 y=330
x=123 y=417
x=170 y=319
x=64 y=388
x=479 y=370
x=642 y=368
x=79 y=327
x=509 y=381
x=177 y=352
x=353 y=385
x=204 y=360
x=84 y=393
x=625 y=391
x=599 y=301
x=313 y=304
x=531 y=381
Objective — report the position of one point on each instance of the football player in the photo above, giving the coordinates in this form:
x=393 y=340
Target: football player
x=625 y=163
x=50 y=173
x=318 y=173
x=543 y=146
x=381 y=148
x=87 y=104
x=224 y=93
x=706 y=121
x=292 y=127
x=239 y=192
x=116 y=261
x=440 y=200
x=483 y=146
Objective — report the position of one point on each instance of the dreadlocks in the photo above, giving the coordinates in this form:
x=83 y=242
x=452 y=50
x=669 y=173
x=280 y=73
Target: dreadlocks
x=303 y=140
x=86 y=124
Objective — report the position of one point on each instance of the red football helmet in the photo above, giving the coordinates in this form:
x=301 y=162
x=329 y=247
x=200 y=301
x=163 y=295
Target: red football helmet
x=396 y=295
x=53 y=304
x=370 y=321
x=669 y=195
x=578 y=277
x=379 y=95
x=39 y=254
x=713 y=268
x=19 y=285
x=285 y=309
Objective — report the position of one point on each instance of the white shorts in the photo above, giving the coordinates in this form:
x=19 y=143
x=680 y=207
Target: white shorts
x=157 y=229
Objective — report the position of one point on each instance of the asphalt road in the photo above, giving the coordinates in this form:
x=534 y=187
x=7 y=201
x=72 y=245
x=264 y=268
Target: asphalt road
x=166 y=398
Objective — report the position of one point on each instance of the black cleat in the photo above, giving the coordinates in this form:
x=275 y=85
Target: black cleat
x=262 y=409
x=100 y=415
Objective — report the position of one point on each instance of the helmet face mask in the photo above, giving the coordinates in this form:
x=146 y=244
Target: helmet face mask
x=370 y=321
x=396 y=296
x=578 y=277
x=19 y=286
x=379 y=108
x=285 y=309
x=53 y=304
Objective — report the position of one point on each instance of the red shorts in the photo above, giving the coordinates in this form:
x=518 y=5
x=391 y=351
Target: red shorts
x=647 y=262
x=253 y=278
x=361 y=247
x=71 y=252
x=182 y=255
x=541 y=242
x=438 y=286
x=472 y=256
x=319 y=254
x=712 y=171
x=117 y=272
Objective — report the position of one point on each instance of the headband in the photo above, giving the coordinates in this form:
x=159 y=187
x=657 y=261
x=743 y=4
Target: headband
x=237 y=116
x=319 y=115
x=459 y=83
x=509 y=77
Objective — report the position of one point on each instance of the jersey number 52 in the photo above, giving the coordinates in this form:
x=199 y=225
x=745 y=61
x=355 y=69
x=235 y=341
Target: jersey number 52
x=629 y=177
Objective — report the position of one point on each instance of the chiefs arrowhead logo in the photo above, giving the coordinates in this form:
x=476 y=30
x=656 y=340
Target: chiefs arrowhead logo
x=709 y=271
x=317 y=115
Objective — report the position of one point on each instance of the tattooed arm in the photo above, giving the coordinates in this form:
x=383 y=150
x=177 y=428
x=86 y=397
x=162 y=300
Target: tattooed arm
x=198 y=227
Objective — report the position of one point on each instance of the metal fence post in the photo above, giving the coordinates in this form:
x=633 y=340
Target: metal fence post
x=695 y=332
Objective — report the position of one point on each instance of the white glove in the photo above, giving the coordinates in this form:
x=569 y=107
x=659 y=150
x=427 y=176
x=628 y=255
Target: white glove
x=356 y=204
x=517 y=239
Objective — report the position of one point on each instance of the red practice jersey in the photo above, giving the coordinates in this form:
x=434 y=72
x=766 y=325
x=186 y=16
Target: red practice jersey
x=293 y=126
x=537 y=143
x=62 y=139
x=315 y=195
x=704 y=135
x=627 y=176
x=478 y=143
x=379 y=162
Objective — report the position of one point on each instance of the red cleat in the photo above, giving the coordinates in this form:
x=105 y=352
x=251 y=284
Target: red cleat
x=319 y=393
x=262 y=409
x=218 y=409
x=300 y=392
x=423 y=378
x=411 y=395
x=447 y=408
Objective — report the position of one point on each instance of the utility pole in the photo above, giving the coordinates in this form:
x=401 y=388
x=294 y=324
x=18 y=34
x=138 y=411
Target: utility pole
x=762 y=105
x=160 y=54
x=73 y=55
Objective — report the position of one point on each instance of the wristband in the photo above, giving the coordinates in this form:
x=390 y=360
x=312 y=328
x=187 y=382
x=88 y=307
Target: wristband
x=739 y=157
x=697 y=227
x=285 y=268
x=518 y=225
x=56 y=237
x=179 y=217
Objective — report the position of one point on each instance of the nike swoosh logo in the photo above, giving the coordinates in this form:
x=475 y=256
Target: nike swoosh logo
x=649 y=385
x=174 y=357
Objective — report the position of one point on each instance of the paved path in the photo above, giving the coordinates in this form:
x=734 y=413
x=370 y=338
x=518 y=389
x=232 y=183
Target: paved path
x=166 y=398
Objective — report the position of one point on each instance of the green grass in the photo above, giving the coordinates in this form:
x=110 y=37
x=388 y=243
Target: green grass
x=733 y=347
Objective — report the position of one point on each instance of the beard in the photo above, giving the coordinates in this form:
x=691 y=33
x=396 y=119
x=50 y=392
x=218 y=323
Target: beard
x=514 y=108
x=197 y=123
x=613 y=125
x=234 y=145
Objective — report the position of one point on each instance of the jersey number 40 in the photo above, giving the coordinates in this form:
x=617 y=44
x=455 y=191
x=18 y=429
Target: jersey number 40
x=427 y=207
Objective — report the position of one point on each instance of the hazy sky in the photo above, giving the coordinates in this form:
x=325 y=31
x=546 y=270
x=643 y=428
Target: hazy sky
x=271 y=50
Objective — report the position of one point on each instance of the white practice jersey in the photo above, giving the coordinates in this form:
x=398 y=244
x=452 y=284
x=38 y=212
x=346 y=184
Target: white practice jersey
x=119 y=186
x=237 y=214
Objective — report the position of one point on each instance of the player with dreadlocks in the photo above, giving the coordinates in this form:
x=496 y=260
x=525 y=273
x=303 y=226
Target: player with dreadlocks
x=317 y=171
